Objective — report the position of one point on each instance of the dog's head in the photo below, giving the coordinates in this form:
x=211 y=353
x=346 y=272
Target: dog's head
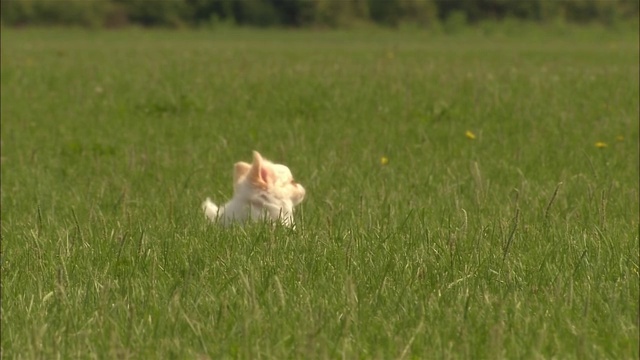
x=268 y=183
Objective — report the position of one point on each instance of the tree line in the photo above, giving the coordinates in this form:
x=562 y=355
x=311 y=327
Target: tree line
x=307 y=13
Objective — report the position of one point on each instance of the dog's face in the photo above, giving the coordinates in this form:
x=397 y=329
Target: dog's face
x=267 y=182
x=284 y=186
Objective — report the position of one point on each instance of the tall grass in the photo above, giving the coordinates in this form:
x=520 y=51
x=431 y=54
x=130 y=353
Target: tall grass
x=519 y=240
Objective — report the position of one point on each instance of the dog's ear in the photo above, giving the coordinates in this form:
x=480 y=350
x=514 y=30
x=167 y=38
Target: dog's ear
x=259 y=175
x=240 y=169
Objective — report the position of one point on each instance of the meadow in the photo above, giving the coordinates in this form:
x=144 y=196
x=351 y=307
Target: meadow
x=468 y=196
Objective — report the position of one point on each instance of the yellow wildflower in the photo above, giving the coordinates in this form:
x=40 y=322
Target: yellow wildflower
x=384 y=160
x=470 y=135
x=601 y=145
x=619 y=138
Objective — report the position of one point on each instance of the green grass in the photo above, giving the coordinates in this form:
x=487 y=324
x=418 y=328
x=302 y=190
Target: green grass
x=520 y=243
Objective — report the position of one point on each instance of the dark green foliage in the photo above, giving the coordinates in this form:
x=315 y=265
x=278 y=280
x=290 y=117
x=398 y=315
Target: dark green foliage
x=162 y=13
x=82 y=13
x=301 y=13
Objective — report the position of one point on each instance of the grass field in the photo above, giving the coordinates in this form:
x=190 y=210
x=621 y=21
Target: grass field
x=457 y=204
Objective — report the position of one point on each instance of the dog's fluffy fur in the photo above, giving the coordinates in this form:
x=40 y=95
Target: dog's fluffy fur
x=261 y=190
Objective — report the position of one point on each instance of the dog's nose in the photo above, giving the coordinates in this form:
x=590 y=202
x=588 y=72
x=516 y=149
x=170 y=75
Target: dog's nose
x=301 y=193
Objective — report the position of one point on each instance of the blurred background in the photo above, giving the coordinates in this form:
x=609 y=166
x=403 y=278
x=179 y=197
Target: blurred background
x=442 y=15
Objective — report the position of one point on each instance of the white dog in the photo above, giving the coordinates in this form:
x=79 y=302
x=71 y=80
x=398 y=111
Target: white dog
x=261 y=190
